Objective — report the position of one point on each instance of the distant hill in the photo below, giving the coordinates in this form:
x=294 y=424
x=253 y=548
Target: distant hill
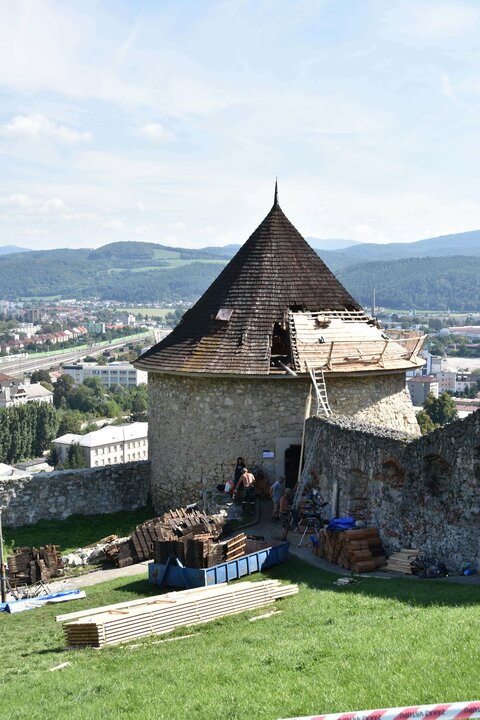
x=431 y=283
x=330 y=244
x=9 y=249
x=148 y=272
x=131 y=271
x=467 y=243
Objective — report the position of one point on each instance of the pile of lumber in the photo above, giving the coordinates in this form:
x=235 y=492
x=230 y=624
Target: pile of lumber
x=30 y=565
x=174 y=524
x=356 y=550
x=401 y=561
x=114 y=624
x=199 y=550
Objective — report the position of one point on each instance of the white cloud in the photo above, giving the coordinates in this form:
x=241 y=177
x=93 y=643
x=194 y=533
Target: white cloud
x=142 y=229
x=156 y=132
x=447 y=87
x=38 y=127
x=117 y=225
x=430 y=20
x=32 y=205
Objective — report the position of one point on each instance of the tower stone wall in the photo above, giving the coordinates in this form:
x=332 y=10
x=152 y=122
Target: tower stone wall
x=199 y=426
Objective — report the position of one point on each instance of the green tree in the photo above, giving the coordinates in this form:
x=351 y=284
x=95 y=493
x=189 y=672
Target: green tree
x=425 y=422
x=62 y=387
x=84 y=399
x=75 y=457
x=54 y=456
x=70 y=422
x=46 y=427
x=441 y=410
x=95 y=384
x=39 y=376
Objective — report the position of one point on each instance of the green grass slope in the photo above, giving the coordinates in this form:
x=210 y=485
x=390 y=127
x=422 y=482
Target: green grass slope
x=376 y=644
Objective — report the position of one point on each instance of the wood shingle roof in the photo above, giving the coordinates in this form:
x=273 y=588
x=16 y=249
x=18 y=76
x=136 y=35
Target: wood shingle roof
x=230 y=329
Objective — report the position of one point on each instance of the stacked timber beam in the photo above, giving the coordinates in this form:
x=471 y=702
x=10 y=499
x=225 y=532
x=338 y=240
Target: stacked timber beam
x=173 y=525
x=357 y=550
x=162 y=614
x=402 y=561
x=30 y=565
x=200 y=550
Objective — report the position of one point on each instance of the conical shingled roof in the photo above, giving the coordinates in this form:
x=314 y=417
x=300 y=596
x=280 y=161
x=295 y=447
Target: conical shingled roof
x=274 y=271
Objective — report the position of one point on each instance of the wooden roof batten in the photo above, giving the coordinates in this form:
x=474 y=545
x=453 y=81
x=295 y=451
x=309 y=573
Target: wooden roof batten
x=251 y=320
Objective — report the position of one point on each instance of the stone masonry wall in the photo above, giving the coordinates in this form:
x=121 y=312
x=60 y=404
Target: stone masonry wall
x=421 y=493
x=57 y=495
x=199 y=426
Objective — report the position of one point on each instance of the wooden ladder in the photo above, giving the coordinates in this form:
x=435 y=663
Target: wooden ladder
x=320 y=387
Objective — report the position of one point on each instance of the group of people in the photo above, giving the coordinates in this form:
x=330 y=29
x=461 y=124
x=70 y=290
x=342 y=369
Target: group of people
x=243 y=485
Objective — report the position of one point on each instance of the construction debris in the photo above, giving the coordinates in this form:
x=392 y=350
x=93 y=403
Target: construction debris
x=200 y=551
x=357 y=550
x=127 y=621
x=31 y=565
x=172 y=527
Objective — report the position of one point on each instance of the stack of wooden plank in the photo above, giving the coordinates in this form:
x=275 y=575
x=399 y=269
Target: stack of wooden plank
x=170 y=527
x=200 y=550
x=30 y=565
x=163 y=613
x=358 y=550
x=401 y=561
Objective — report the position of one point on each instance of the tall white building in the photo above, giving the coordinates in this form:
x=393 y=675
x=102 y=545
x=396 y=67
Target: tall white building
x=116 y=373
x=111 y=445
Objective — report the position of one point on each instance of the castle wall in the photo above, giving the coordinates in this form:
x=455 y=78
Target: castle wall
x=422 y=493
x=86 y=491
x=199 y=426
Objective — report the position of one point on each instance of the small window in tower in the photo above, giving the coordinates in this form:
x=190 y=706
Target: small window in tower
x=224 y=314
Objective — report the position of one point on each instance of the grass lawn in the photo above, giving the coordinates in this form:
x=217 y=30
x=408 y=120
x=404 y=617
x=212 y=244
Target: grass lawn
x=77 y=531
x=379 y=643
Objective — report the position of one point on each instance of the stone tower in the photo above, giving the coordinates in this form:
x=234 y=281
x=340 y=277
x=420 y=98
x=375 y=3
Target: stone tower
x=232 y=378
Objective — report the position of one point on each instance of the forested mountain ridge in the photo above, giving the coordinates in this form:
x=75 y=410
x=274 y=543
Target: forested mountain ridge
x=430 y=283
x=466 y=243
x=146 y=272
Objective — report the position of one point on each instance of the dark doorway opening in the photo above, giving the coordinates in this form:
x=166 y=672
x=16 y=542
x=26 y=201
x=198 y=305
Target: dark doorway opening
x=292 y=464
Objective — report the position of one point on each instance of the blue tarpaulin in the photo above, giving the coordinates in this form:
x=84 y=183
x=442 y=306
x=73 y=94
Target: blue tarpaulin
x=339 y=524
x=16 y=606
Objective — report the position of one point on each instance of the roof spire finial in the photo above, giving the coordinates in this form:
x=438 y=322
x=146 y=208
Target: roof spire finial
x=275 y=197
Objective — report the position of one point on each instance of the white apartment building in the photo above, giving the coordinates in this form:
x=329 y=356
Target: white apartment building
x=116 y=373
x=13 y=393
x=111 y=445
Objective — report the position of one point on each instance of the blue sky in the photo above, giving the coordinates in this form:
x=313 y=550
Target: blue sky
x=168 y=121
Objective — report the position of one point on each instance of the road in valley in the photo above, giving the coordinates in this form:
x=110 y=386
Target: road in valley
x=18 y=366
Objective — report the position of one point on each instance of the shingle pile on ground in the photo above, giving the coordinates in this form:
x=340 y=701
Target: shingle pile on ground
x=402 y=561
x=200 y=550
x=163 y=613
x=30 y=565
x=357 y=550
x=174 y=527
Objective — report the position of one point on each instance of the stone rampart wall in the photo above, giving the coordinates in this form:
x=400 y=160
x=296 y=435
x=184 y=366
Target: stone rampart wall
x=88 y=491
x=199 y=426
x=422 y=493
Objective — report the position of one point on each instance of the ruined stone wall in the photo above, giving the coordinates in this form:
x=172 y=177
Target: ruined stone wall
x=199 y=426
x=421 y=493
x=86 y=491
x=377 y=399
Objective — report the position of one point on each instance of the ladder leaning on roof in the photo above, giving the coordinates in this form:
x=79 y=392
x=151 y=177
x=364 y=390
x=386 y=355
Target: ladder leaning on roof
x=320 y=387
